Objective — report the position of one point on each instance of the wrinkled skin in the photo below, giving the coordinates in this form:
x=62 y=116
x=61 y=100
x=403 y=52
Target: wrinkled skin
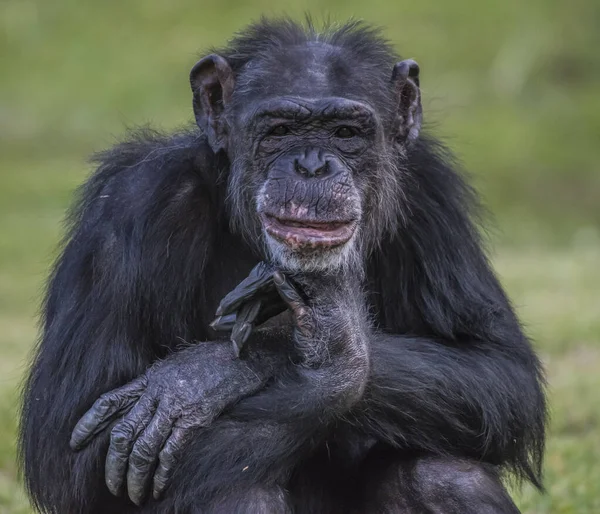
x=160 y=411
x=313 y=167
x=304 y=164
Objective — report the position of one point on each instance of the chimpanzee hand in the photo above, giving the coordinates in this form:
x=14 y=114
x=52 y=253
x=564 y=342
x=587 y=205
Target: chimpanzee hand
x=254 y=300
x=265 y=293
x=161 y=409
x=328 y=313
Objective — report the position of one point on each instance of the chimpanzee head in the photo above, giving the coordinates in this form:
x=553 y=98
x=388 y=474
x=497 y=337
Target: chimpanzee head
x=315 y=127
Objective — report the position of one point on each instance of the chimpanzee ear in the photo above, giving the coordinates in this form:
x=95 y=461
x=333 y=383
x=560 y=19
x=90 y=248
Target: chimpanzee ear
x=212 y=83
x=405 y=80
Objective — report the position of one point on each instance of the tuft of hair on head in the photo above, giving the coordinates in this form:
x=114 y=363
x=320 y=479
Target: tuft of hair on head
x=268 y=34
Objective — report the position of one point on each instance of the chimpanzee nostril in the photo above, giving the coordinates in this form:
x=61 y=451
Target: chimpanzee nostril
x=311 y=164
x=323 y=169
x=298 y=168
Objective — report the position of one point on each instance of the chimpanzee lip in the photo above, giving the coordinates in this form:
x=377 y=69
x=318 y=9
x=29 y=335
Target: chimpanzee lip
x=300 y=233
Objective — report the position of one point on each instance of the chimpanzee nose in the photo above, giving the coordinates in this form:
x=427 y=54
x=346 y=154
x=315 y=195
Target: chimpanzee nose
x=312 y=163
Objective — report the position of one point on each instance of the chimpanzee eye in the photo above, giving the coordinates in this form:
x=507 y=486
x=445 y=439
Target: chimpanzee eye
x=279 y=130
x=345 y=132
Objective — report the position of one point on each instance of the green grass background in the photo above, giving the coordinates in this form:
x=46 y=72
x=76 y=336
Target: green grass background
x=513 y=86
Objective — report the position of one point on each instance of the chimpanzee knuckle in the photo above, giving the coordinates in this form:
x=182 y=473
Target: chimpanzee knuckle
x=122 y=434
x=164 y=414
x=303 y=313
x=104 y=403
x=142 y=453
x=115 y=468
x=157 y=389
x=204 y=420
x=161 y=480
x=119 y=440
x=168 y=457
x=174 y=446
x=199 y=417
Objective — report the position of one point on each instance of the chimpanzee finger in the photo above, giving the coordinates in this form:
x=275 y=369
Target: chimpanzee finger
x=122 y=438
x=144 y=455
x=223 y=323
x=272 y=305
x=243 y=324
x=253 y=314
x=259 y=278
x=298 y=307
x=104 y=410
x=168 y=458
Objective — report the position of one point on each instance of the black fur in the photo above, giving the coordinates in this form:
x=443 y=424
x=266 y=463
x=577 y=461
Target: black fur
x=150 y=253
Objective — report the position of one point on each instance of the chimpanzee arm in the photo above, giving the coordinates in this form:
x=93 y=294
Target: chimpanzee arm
x=456 y=374
x=478 y=399
x=127 y=289
x=163 y=409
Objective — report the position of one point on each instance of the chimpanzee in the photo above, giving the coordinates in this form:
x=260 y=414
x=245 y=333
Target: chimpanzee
x=377 y=365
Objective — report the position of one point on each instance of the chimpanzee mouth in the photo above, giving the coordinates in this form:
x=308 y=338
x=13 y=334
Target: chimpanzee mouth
x=308 y=234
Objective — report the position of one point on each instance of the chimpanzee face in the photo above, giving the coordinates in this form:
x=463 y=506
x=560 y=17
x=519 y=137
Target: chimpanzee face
x=310 y=153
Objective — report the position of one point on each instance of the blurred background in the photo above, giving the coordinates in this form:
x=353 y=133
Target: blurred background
x=513 y=87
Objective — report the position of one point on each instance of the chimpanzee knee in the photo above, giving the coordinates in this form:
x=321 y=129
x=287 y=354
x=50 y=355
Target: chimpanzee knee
x=459 y=486
x=254 y=500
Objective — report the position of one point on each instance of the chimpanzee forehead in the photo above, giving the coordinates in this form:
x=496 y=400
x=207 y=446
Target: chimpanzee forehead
x=312 y=70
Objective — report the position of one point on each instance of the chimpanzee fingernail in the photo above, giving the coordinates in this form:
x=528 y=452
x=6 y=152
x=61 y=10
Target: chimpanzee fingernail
x=246 y=332
x=278 y=278
x=240 y=333
x=223 y=323
x=239 y=337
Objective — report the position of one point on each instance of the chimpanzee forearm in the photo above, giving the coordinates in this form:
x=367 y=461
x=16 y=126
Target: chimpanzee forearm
x=205 y=375
x=472 y=398
x=162 y=407
x=330 y=352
